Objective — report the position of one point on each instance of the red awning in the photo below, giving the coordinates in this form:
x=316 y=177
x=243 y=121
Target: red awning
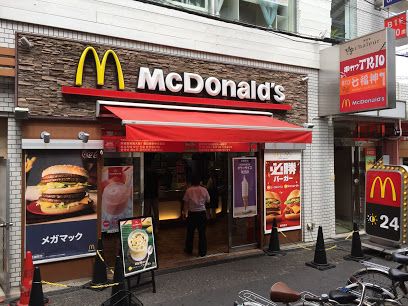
x=195 y=126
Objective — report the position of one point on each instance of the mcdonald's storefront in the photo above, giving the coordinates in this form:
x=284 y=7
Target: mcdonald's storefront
x=114 y=133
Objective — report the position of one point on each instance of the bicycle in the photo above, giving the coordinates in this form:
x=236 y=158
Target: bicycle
x=282 y=293
x=392 y=280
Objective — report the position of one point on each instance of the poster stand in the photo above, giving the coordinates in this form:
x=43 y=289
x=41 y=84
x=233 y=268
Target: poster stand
x=139 y=284
x=138 y=250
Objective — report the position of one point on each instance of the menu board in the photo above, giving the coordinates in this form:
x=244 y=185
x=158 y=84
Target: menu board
x=138 y=245
x=282 y=194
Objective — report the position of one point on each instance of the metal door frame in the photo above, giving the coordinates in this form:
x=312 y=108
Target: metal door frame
x=5 y=282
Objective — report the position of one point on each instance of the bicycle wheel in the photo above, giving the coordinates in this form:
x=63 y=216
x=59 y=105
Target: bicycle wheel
x=376 y=277
x=374 y=295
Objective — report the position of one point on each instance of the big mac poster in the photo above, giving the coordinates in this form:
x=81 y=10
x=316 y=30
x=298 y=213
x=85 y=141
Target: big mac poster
x=282 y=194
x=61 y=199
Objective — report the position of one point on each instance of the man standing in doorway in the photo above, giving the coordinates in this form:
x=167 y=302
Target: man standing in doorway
x=194 y=210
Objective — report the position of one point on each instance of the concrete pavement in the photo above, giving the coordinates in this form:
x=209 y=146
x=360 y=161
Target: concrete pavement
x=219 y=284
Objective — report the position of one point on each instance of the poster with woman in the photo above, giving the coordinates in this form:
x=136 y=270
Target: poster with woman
x=282 y=194
x=117 y=196
x=244 y=187
x=138 y=245
x=61 y=203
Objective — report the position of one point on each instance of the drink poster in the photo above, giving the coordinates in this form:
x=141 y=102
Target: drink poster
x=61 y=204
x=244 y=186
x=117 y=196
x=138 y=245
x=282 y=194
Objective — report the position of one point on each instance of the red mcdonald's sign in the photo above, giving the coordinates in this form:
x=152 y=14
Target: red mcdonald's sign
x=384 y=187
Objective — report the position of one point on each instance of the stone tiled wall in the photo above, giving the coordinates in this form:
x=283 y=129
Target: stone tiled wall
x=52 y=63
x=318 y=158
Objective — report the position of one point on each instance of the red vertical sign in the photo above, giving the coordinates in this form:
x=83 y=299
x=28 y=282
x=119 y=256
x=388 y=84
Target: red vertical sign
x=282 y=194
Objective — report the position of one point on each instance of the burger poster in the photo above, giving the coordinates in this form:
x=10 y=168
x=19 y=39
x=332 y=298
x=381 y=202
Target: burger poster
x=61 y=199
x=282 y=194
x=117 y=196
x=244 y=187
x=138 y=245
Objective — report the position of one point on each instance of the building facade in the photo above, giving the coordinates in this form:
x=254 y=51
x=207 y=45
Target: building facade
x=202 y=37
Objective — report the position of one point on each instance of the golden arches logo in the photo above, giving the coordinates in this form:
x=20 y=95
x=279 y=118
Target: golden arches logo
x=100 y=67
x=383 y=184
x=346 y=103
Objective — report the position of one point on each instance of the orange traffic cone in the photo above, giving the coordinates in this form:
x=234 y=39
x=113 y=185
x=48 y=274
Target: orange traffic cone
x=26 y=281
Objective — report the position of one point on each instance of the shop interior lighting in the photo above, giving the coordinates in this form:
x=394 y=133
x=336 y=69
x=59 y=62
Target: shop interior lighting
x=45 y=136
x=83 y=136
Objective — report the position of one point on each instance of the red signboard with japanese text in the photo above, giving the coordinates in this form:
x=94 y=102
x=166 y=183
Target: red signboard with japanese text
x=282 y=194
x=367 y=73
x=399 y=24
x=118 y=144
x=383 y=203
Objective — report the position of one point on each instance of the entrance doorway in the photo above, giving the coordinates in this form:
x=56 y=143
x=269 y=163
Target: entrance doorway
x=350 y=166
x=173 y=172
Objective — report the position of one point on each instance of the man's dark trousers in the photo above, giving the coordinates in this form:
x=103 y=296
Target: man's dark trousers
x=196 y=220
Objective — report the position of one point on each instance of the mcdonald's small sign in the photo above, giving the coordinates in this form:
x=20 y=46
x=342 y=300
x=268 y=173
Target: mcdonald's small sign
x=384 y=187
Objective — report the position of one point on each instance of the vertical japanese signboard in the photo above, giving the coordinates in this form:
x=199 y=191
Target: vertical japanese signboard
x=282 y=194
x=367 y=73
x=244 y=187
x=117 y=196
x=61 y=199
x=138 y=245
x=386 y=203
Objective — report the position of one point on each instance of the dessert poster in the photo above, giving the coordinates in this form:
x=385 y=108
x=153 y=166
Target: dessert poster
x=244 y=187
x=117 y=196
x=282 y=194
x=138 y=246
x=60 y=203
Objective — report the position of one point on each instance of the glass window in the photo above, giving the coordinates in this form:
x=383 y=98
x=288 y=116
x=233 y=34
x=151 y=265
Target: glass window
x=201 y=5
x=275 y=14
x=343 y=15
